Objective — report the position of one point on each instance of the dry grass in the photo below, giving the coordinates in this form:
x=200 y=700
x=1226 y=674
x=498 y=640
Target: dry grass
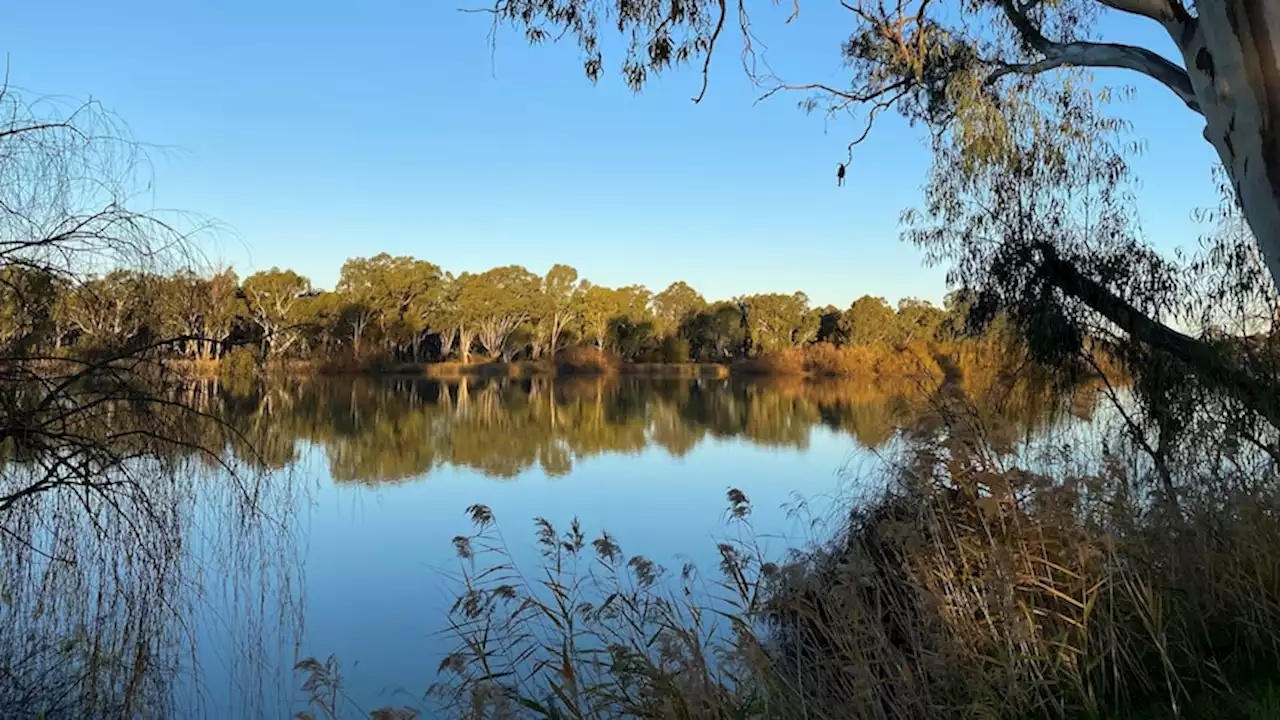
x=864 y=363
x=684 y=371
x=453 y=370
x=580 y=360
x=195 y=369
x=967 y=588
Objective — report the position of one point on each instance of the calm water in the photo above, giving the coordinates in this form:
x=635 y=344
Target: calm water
x=378 y=475
x=395 y=465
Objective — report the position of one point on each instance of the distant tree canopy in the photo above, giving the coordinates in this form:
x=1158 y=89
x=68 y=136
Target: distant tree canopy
x=408 y=310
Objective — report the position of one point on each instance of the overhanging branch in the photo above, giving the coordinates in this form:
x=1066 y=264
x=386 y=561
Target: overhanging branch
x=1162 y=11
x=1212 y=365
x=1089 y=54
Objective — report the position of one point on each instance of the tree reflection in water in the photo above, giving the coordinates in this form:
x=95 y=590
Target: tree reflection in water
x=184 y=594
x=399 y=429
x=166 y=589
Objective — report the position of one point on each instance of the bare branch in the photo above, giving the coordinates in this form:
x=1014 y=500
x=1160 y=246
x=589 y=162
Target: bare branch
x=795 y=11
x=706 y=62
x=1088 y=54
x=1159 y=10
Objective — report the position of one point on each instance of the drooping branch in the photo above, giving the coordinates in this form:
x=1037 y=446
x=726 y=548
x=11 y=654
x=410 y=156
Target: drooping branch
x=711 y=45
x=1211 y=364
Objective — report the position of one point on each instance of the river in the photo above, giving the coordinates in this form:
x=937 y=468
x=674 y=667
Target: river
x=356 y=558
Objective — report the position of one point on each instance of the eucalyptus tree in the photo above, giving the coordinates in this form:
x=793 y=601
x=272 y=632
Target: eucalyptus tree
x=775 y=321
x=829 y=325
x=496 y=302
x=869 y=320
x=28 y=303
x=114 y=307
x=447 y=319
x=359 y=286
x=203 y=308
x=560 y=288
x=273 y=297
x=387 y=289
x=675 y=305
x=717 y=333
x=918 y=319
x=595 y=307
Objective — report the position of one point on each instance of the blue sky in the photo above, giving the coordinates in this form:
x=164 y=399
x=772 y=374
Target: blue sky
x=320 y=130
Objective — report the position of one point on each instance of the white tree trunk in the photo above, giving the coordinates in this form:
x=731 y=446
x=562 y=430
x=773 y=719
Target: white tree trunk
x=447 y=338
x=465 y=338
x=1231 y=56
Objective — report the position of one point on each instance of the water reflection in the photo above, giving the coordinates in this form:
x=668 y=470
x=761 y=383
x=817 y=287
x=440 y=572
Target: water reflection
x=108 y=574
x=186 y=598
x=392 y=430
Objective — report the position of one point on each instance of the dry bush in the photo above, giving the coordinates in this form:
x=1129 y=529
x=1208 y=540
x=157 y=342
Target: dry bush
x=909 y=362
x=783 y=362
x=582 y=360
x=827 y=359
x=968 y=586
x=975 y=587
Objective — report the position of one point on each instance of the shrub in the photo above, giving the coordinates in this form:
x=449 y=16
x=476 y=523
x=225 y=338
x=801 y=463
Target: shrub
x=674 y=350
x=790 y=361
x=967 y=587
x=827 y=359
x=239 y=368
x=582 y=360
x=915 y=360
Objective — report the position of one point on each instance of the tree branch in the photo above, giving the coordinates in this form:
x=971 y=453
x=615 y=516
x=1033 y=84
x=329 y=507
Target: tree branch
x=1211 y=364
x=1161 y=11
x=1088 y=54
x=711 y=46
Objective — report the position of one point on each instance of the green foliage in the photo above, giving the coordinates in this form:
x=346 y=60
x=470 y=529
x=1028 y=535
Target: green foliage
x=777 y=321
x=675 y=306
x=239 y=369
x=389 y=310
x=675 y=349
x=393 y=295
x=200 y=307
x=273 y=298
x=497 y=302
x=28 y=303
x=556 y=312
x=868 y=321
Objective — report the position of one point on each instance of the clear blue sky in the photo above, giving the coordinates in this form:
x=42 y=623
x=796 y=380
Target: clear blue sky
x=322 y=130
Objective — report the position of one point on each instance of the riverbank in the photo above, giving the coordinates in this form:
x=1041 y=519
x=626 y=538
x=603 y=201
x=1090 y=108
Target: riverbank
x=520 y=369
x=818 y=360
x=455 y=370
x=904 y=368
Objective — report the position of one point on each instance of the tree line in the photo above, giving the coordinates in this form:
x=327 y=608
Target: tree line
x=403 y=309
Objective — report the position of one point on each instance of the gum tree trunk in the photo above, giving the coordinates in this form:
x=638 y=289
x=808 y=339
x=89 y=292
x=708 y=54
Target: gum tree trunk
x=1231 y=55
